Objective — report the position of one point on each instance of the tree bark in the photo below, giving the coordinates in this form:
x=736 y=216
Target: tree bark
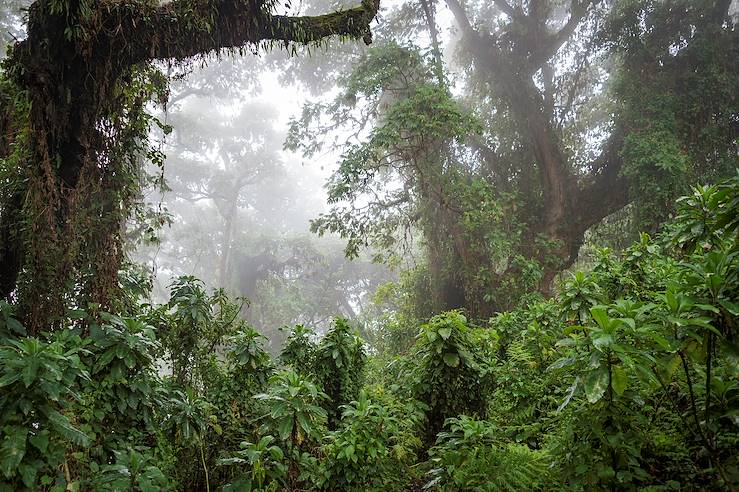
x=228 y=220
x=64 y=245
x=569 y=205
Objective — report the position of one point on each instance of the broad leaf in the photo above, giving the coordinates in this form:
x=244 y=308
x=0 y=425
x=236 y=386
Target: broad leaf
x=560 y=363
x=596 y=383
x=9 y=378
x=450 y=359
x=61 y=424
x=603 y=340
x=570 y=393
x=619 y=380
x=12 y=450
x=600 y=316
x=284 y=428
x=40 y=441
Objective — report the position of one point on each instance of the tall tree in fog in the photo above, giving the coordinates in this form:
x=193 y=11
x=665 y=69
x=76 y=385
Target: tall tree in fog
x=224 y=161
x=240 y=208
x=74 y=126
x=541 y=66
x=570 y=112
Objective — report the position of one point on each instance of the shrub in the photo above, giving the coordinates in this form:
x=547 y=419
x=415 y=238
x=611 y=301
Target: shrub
x=450 y=377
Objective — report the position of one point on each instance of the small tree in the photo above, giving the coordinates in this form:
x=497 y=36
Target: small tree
x=339 y=368
x=451 y=377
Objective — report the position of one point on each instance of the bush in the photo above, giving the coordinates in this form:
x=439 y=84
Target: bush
x=372 y=450
x=451 y=377
x=470 y=456
x=338 y=367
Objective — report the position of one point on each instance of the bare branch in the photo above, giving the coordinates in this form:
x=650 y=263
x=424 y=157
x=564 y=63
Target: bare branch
x=505 y=8
x=606 y=191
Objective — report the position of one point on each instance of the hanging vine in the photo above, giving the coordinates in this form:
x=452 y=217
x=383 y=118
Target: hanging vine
x=75 y=129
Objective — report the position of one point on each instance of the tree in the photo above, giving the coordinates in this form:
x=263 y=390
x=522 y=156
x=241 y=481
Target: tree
x=244 y=151
x=520 y=62
x=395 y=181
x=679 y=111
x=563 y=107
x=298 y=280
x=74 y=122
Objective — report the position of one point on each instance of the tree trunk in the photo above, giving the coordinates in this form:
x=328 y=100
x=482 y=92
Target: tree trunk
x=568 y=207
x=79 y=69
x=223 y=267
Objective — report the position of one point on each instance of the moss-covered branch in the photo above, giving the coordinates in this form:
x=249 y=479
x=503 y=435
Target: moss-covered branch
x=84 y=69
x=173 y=32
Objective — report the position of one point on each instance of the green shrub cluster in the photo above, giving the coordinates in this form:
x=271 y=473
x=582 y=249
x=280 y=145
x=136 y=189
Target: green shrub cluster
x=627 y=379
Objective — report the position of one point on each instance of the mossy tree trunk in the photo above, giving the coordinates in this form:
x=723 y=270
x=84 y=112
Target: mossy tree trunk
x=74 y=129
x=570 y=204
x=517 y=62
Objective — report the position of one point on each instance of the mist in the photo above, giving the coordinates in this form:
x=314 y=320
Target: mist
x=369 y=245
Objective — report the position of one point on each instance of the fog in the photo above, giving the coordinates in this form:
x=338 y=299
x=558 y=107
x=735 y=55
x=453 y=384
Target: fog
x=353 y=245
x=225 y=200
x=237 y=205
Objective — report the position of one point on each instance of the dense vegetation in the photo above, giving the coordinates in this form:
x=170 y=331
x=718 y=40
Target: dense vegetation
x=544 y=290
x=626 y=378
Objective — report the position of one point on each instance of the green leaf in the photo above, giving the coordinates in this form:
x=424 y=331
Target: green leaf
x=669 y=364
x=9 y=378
x=16 y=326
x=596 y=383
x=603 y=341
x=566 y=342
x=285 y=428
x=30 y=371
x=560 y=363
x=661 y=341
x=619 y=380
x=12 y=450
x=28 y=474
x=61 y=424
x=570 y=393
x=450 y=359
x=445 y=333
x=304 y=423
x=731 y=307
x=40 y=441
x=231 y=461
x=600 y=316
x=276 y=453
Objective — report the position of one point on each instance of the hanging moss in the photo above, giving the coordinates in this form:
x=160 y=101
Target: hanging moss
x=73 y=151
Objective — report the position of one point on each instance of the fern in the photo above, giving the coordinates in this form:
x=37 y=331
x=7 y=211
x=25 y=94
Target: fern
x=520 y=354
x=472 y=457
x=517 y=465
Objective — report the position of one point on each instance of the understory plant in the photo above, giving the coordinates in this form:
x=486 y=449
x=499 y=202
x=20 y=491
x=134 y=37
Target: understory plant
x=626 y=379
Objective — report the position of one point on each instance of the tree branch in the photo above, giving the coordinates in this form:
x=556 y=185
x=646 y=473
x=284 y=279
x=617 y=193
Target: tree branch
x=608 y=190
x=460 y=16
x=505 y=8
x=171 y=31
x=549 y=49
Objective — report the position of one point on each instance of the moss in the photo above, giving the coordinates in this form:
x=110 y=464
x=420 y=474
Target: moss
x=78 y=130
